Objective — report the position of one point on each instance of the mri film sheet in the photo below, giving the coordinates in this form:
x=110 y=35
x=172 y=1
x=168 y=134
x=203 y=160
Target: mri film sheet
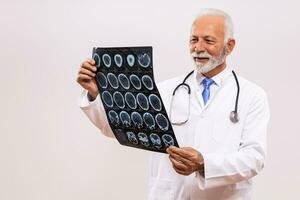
x=131 y=100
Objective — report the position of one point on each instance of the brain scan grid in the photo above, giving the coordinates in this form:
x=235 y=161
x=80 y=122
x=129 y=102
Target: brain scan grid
x=132 y=103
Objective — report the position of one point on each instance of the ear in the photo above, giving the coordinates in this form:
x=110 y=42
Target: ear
x=230 y=46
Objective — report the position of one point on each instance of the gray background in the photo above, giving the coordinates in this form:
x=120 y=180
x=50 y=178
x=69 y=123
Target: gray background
x=48 y=148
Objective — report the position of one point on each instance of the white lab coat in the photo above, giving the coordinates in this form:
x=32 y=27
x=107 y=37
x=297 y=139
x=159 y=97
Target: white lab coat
x=233 y=153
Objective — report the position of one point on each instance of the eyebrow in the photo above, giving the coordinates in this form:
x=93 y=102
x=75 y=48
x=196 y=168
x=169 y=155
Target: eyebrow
x=209 y=37
x=205 y=37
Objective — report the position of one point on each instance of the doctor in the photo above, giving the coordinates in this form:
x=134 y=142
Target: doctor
x=218 y=156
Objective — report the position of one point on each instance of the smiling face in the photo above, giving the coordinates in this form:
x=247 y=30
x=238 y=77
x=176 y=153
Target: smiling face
x=207 y=46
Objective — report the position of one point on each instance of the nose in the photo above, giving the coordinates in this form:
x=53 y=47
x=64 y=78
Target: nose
x=198 y=47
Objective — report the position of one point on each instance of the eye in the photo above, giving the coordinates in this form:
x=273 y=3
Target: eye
x=208 y=41
x=193 y=40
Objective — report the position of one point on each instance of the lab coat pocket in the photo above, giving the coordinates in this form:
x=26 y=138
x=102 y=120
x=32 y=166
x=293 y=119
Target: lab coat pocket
x=161 y=189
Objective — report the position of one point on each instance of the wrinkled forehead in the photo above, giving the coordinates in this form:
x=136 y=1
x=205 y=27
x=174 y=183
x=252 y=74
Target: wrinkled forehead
x=209 y=25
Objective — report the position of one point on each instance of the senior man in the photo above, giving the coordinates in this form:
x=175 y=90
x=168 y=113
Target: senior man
x=218 y=155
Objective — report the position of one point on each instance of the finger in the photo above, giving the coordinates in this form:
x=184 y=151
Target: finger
x=181 y=159
x=180 y=151
x=91 y=61
x=189 y=165
x=186 y=152
x=84 y=77
x=86 y=72
x=178 y=165
x=182 y=172
x=88 y=66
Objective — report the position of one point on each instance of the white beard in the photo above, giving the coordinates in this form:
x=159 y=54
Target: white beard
x=212 y=63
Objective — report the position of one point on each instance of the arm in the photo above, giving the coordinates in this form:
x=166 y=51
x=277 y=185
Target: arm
x=94 y=110
x=225 y=169
x=90 y=102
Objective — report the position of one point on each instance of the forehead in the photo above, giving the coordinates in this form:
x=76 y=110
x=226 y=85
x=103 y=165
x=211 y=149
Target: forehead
x=209 y=26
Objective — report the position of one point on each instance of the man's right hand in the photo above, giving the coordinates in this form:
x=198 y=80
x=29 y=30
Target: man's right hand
x=86 y=77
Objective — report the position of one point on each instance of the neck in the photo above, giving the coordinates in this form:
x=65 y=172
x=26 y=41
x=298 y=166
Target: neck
x=215 y=71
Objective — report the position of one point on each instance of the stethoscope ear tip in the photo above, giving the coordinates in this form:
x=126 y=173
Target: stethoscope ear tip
x=234 y=117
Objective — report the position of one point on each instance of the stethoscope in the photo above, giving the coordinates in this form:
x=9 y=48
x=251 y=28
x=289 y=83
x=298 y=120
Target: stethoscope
x=234 y=116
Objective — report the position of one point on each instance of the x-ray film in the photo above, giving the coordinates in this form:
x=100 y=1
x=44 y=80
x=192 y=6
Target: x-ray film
x=131 y=100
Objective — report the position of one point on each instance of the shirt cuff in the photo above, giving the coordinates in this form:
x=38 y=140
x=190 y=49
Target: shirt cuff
x=209 y=179
x=84 y=102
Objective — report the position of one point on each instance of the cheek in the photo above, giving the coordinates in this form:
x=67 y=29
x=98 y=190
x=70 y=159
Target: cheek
x=192 y=48
x=213 y=51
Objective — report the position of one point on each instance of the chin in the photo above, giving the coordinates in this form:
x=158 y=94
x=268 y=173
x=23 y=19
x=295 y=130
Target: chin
x=204 y=68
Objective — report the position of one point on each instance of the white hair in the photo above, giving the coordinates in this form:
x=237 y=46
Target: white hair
x=227 y=19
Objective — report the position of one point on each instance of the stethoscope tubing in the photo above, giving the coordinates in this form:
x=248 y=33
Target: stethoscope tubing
x=234 y=117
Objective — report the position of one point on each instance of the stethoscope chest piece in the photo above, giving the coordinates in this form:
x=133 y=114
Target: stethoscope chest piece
x=234 y=117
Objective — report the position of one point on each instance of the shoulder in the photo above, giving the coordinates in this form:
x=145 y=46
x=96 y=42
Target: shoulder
x=170 y=84
x=251 y=88
x=253 y=95
x=167 y=87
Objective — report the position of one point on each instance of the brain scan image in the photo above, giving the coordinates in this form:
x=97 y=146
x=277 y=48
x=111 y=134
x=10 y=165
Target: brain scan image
x=113 y=81
x=130 y=100
x=130 y=60
x=107 y=99
x=133 y=106
x=147 y=82
x=135 y=81
x=155 y=139
x=125 y=118
x=162 y=122
x=137 y=119
x=96 y=57
x=113 y=117
x=118 y=60
x=143 y=139
x=149 y=121
x=132 y=138
x=155 y=102
x=144 y=60
x=142 y=101
x=101 y=78
x=124 y=81
x=106 y=60
x=168 y=140
x=118 y=99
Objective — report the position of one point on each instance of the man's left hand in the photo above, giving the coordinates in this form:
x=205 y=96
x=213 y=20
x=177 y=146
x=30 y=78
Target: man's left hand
x=185 y=160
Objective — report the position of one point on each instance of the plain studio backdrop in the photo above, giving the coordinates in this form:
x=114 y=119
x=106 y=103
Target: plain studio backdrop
x=50 y=151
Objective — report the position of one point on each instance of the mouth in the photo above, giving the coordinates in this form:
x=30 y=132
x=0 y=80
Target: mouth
x=201 y=59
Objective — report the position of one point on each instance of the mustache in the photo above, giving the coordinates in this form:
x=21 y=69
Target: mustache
x=201 y=55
